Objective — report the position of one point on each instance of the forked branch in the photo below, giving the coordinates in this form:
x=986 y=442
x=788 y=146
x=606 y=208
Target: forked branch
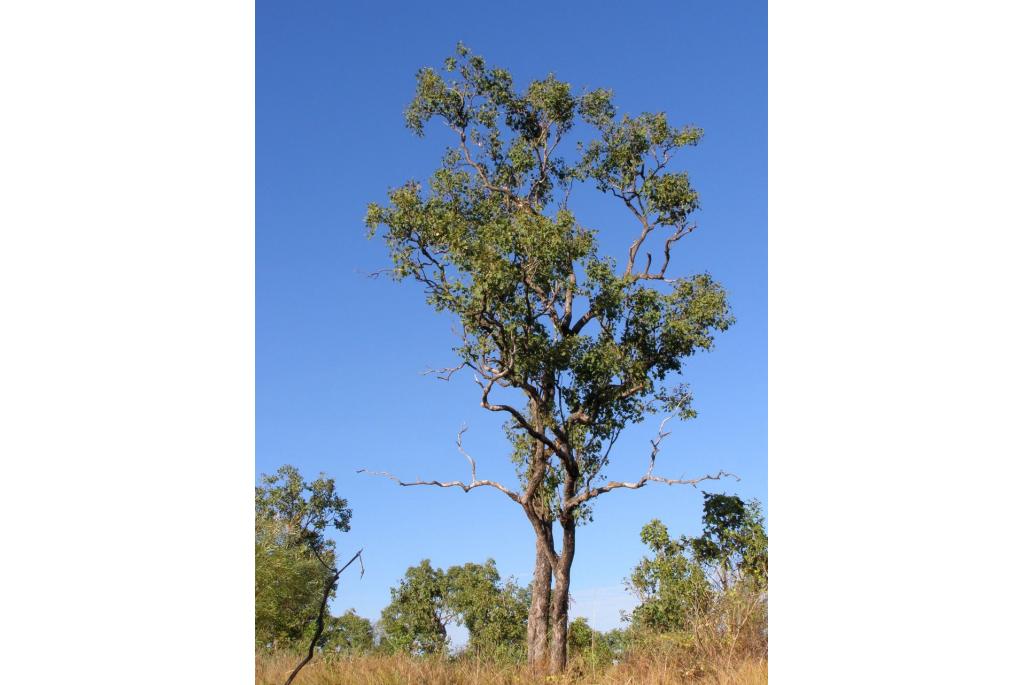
x=444 y=374
x=466 y=487
x=648 y=477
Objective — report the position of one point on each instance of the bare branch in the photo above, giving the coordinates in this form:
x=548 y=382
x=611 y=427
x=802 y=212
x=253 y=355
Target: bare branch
x=378 y=273
x=359 y=556
x=648 y=477
x=466 y=487
x=444 y=374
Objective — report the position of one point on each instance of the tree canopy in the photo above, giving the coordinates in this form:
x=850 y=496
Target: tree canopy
x=524 y=278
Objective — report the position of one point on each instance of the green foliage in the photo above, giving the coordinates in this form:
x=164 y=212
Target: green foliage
x=734 y=540
x=595 y=647
x=684 y=578
x=348 y=633
x=580 y=635
x=293 y=555
x=486 y=239
x=289 y=585
x=428 y=600
x=494 y=612
x=671 y=586
x=416 y=620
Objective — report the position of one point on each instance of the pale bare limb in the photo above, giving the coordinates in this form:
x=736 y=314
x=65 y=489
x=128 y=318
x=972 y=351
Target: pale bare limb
x=648 y=477
x=466 y=487
x=444 y=374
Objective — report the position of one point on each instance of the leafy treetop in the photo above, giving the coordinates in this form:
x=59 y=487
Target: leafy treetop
x=590 y=345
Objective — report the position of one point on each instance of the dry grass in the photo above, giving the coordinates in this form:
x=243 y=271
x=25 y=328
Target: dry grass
x=726 y=646
x=654 y=667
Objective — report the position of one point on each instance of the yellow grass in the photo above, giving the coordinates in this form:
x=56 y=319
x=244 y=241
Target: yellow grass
x=650 y=668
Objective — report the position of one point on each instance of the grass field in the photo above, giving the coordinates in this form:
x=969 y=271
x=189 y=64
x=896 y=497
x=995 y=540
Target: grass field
x=638 y=669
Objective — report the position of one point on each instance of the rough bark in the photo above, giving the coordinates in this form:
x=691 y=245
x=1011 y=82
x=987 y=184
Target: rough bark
x=560 y=599
x=540 y=610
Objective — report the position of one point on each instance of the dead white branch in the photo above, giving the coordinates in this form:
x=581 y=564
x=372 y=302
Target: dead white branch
x=648 y=477
x=466 y=487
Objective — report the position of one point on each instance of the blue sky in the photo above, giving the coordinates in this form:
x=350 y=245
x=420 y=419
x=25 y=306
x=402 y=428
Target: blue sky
x=339 y=355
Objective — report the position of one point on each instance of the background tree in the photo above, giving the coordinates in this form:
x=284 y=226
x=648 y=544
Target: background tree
x=417 y=618
x=348 y=633
x=712 y=586
x=592 y=646
x=560 y=339
x=581 y=635
x=428 y=600
x=494 y=612
x=292 y=518
x=671 y=585
x=734 y=541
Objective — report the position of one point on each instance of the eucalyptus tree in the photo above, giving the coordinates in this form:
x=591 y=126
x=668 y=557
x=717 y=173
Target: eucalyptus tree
x=570 y=344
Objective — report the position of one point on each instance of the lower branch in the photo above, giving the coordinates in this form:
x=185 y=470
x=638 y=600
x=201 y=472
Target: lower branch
x=648 y=477
x=466 y=487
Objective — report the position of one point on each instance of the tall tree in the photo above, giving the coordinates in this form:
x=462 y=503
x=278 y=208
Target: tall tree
x=289 y=585
x=494 y=612
x=563 y=341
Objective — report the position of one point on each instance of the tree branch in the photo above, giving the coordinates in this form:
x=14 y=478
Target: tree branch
x=444 y=374
x=516 y=414
x=466 y=487
x=648 y=477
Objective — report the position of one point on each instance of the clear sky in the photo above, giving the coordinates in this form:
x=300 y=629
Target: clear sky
x=339 y=355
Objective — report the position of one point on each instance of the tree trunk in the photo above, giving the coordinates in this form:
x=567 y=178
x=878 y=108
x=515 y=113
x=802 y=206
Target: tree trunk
x=560 y=599
x=540 y=610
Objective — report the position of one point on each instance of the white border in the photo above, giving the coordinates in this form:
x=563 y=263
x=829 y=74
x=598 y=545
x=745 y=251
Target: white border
x=895 y=341
x=127 y=356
